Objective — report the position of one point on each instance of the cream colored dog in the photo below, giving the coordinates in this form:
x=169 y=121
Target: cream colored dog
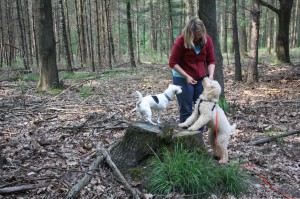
x=207 y=112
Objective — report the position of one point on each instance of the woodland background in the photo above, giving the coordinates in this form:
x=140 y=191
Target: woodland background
x=69 y=71
x=106 y=34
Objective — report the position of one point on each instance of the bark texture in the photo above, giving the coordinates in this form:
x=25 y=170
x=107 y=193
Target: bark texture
x=46 y=42
x=141 y=140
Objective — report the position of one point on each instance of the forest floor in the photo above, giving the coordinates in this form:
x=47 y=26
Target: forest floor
x=50 y=139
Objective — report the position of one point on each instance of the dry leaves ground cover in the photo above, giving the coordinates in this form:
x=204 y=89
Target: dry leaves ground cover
x=50 y=139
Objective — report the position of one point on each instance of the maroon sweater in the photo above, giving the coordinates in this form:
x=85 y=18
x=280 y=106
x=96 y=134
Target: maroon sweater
x=189 y=61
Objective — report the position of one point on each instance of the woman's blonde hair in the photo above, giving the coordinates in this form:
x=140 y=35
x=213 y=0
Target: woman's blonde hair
x=194 y=25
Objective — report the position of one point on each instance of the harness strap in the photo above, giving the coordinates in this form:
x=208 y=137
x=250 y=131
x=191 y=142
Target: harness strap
x=201 y=100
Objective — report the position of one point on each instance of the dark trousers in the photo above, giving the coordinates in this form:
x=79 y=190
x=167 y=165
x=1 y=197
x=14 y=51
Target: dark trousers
x=188 y=97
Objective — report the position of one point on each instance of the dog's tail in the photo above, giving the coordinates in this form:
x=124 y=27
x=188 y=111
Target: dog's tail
x=233 y=127
x=140 y=96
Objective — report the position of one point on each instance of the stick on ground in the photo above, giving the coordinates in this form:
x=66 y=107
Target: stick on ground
x=21 y=188
x=269 y=139
x=133 y=191
x=74 y=191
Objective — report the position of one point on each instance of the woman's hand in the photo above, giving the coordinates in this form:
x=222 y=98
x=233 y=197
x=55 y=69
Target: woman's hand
x=191 y=80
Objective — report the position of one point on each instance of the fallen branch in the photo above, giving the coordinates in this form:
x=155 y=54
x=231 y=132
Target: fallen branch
x=134 y=192
x=269 y=139
x=21 y=188
x=73 y=192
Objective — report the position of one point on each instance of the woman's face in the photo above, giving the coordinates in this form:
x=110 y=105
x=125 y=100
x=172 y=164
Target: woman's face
x=197 y=36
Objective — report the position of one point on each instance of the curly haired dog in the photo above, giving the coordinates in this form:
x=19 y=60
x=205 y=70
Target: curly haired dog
x=157 y=102
x=208 y=112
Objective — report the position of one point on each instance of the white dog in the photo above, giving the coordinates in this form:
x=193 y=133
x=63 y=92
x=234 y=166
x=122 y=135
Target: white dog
x=157 y=102
x=207 y=112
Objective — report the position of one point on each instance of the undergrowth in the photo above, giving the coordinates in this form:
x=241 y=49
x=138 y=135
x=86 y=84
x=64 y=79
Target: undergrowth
x=190 y=173
x=224 y=105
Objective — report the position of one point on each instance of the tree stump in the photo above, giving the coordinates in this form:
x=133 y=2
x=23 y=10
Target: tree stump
x=142 y=139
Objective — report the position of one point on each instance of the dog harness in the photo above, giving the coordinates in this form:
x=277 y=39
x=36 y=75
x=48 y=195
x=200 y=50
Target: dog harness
x=202 y=100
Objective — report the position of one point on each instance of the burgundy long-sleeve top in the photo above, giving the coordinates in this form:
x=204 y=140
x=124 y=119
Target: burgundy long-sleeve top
x=193 y=64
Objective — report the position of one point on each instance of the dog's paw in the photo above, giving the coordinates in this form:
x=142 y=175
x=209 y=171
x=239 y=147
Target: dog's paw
x=181 y=125
x=192 y=129
x=223 y=162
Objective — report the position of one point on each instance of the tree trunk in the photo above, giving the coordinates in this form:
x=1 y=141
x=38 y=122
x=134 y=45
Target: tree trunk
x=152 y=27
x=252 y=68
x=141 y=140
x=46 y=42
x=79 y=49
x=170 y=22
x=98 y=33
x=107 y=24
x=242 y=30
x=82 y=32
x=138 y=59
x=160 y=33
x=144 y=28
x=207 y=13
x=103 y=31
x=22 y=33
x=57 y=34
x=11 y=36
x=190 y=9
x=129 y=33
x=270 y=32
x=35 y=36
x=225 y=50
x=92 y=38
x=29 y=33
x=69 y=31
x=298 y=25
x=181 y=20
x=235 y=38
x=2 y=39
x=65 y=37
x=284 y=16
x=283 y=53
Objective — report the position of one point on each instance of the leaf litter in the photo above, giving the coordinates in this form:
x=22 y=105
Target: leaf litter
x=47 y=138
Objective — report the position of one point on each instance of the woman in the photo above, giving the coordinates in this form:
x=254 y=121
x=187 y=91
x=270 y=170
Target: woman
x=193 y=50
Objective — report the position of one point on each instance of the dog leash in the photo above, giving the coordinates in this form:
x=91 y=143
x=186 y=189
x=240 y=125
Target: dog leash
x=216 y=131
x=250 y=168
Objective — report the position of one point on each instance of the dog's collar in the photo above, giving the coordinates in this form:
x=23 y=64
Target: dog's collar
x=205 y=100
x=167 y=96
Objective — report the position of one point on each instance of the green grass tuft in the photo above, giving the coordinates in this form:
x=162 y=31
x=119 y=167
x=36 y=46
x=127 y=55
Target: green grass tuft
x=30 y=77
x=224 y=105
x=187 y=172
x=85 y=91
x=75 y=76
x=56 y=90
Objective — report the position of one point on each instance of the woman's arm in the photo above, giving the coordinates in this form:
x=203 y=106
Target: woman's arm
x=189 y=79
x=211 y=71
